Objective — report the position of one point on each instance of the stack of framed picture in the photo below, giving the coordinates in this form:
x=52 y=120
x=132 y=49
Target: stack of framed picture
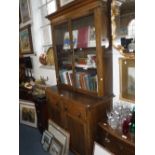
x=55 y=140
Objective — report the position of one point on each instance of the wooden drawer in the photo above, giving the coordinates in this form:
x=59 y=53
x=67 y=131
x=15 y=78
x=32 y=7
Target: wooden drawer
x=115 y=145
x=74 y=109
x=53 y=100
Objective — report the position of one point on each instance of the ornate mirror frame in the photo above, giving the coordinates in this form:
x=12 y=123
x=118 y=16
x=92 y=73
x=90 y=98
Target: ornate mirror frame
x=127 y=5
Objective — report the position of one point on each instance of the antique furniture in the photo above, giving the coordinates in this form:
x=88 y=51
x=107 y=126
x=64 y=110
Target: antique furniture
x=82 y=47
x=83 y=63
x=115 y=141
x=78 y=114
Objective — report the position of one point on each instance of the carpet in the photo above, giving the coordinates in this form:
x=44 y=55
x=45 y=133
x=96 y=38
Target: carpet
x=30 y=141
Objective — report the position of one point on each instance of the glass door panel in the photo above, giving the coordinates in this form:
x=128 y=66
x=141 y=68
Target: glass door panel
x=84 y=44
x=64 y=54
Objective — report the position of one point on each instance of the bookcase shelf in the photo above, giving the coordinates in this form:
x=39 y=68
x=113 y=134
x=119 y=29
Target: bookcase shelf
x=82 y=63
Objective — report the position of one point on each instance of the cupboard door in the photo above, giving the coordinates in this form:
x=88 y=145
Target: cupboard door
x=54 y=110
x=77 y=130
x=84 y=45
x=64 y=54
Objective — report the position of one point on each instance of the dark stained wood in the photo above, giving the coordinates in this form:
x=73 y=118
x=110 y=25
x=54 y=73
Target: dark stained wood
x=42 y=113
x=113 y=141
x=77 y=110
x=101 y=15
x=79 y=114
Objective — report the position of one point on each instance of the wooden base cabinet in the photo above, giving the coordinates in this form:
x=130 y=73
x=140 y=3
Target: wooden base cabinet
x=79 y=114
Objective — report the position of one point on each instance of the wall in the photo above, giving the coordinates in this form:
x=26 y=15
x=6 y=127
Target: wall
x=37 y=46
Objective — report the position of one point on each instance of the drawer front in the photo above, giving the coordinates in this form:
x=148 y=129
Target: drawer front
x=54 y=101
x=116 y=146
x=74 y=109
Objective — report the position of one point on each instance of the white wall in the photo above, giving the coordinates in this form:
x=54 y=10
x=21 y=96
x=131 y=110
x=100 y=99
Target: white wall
x=37 y=46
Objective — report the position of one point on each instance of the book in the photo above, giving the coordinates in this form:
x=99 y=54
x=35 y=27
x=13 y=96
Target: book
x=91 y=36
x=75 y=38
x=82 y=37
x=66 y=44
x=70 y=75
x=78 y=80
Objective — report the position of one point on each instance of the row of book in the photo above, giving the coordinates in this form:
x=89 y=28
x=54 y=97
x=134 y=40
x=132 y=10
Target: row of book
x=66 y=76
x=82 y=38
x=86 y=81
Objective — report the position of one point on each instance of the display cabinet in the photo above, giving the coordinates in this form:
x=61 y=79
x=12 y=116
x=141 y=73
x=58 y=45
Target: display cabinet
x=82 y=47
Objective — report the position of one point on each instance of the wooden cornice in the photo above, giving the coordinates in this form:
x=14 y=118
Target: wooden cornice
x=66 y=11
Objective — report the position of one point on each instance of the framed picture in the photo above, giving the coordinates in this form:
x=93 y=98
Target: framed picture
x=64 y=2
x=46 y=140
x=55 y=147
x=98 y=150
x=127 y=79
x=50 y=56
x=61 y=135
x=25 y=40
x=24 y=6
x=28 y=114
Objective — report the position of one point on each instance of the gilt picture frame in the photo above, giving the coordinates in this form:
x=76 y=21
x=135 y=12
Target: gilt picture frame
x=127 y=79
x=24 y=6
x=25 y=40
x=28 y=115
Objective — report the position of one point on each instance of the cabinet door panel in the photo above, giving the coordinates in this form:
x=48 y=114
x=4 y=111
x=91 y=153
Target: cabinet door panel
x=77 y=134
x=64 y=54
x=54 y=110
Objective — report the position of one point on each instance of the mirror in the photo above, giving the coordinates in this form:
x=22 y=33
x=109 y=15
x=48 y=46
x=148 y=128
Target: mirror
x=123 y=26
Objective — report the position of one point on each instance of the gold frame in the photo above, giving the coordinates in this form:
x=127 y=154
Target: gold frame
x=25 y=40
x=114 y=13
x=127 y=79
